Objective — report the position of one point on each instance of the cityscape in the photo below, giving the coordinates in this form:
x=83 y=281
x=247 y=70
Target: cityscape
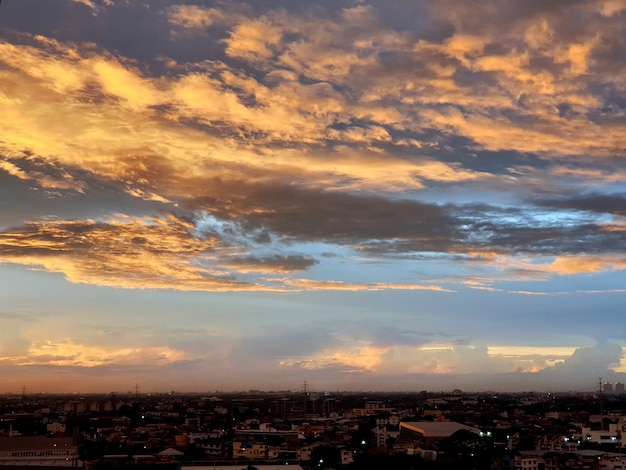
x=314 y=430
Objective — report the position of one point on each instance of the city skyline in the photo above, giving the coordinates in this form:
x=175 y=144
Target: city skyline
x=367 y=195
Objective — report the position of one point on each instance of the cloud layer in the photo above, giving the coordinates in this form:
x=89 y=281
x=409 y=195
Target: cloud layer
x=434 y=151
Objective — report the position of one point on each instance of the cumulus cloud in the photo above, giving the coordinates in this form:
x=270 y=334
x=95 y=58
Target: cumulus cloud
x=598 y=360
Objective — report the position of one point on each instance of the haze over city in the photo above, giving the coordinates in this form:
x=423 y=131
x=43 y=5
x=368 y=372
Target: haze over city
x=363 y=194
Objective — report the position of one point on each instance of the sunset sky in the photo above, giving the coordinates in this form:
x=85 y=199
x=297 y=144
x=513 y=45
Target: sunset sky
x=363 y=194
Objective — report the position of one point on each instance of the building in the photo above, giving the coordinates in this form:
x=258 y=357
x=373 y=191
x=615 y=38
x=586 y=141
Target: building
x=372 y=407
x=382 y=433
x=38 y=451
x=601 y=436
x=612 y=462
x=250 y=450
x=523 y=461
x=428 y=432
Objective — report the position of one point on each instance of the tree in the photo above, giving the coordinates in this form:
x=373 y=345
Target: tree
x=91 y=450
x=526 y=443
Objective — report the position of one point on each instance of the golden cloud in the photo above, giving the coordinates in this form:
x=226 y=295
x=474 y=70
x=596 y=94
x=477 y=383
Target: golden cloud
x=518 y=351
x=64 y=353
x=365 y=358
x=131 y=253
x=340 y=122
x=99 y=112
x=568 y=265
x=193 y=16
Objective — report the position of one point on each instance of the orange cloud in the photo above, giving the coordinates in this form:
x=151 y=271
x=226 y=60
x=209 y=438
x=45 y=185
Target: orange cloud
x=612 y=7
x=193 y=16
x=567 y=265
x=365 y=358
x=514 y=351
x=253 y=40
x=62 y=353
x=140 y=253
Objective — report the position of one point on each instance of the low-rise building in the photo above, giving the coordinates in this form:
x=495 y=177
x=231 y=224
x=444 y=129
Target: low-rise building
x=25 y=451
x=428 y=432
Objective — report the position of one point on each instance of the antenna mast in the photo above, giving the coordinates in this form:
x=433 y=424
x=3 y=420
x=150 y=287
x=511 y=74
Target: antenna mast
x=601 y=407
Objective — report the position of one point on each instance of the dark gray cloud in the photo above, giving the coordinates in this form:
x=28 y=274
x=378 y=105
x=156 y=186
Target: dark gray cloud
x=49 y=189
x=593 y=202
x=134 y=29
x=546 y=240
x=313 y=215
x=415 y=17
x=274 y=263
x=372 y=224
x=527 y=230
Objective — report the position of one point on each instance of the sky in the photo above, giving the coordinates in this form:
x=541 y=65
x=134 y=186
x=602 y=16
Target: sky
x=360 y=194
